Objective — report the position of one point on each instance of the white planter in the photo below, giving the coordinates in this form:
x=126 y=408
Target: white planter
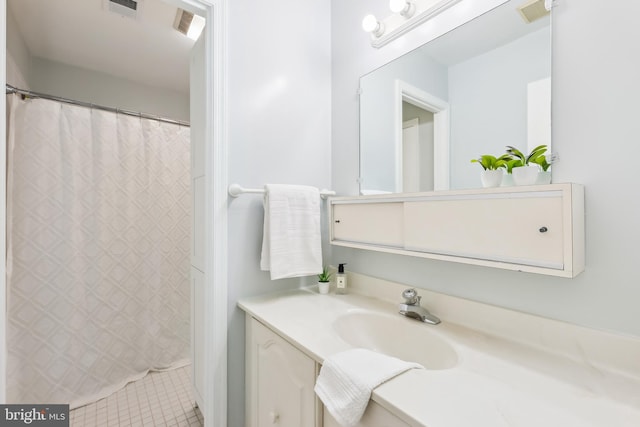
x=323 y=287
x=491 y=178
x=525 y=175
x=507 y=180
x=544 y=177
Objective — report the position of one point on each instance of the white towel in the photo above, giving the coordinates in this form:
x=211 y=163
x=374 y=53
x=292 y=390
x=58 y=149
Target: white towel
x=347 y=379
x=291 y=242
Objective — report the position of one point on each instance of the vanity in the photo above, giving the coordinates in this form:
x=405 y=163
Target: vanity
x=484 y=365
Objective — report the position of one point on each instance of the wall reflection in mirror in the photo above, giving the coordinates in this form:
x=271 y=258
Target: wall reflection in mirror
x=472 y=91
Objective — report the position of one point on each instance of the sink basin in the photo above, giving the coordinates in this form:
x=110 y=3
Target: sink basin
x=396 y=336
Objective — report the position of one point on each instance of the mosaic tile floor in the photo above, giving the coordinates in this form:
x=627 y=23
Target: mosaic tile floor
x=159 y=399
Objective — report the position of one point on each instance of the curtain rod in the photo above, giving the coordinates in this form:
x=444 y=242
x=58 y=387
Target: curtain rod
x=30 y=94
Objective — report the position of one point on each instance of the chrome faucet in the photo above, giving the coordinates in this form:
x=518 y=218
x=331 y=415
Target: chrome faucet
x=411 y=308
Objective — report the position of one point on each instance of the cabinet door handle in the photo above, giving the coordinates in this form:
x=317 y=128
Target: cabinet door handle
x=543 y=229
x=275 y=417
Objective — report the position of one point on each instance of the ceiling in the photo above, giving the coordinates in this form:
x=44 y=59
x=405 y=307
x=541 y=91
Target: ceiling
x=83 y=33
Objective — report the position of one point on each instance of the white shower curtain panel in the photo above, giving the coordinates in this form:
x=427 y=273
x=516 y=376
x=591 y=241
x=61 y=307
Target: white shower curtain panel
x=98 y=250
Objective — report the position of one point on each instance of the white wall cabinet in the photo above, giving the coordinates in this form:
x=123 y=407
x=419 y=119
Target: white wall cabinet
x=279 y=381
x=539 y=229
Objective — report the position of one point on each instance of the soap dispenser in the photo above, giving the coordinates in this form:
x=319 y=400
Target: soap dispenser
x=341 y=280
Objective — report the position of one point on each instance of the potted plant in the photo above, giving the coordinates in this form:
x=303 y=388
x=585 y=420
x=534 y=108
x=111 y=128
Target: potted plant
x=544 y=176
x=526 y=167
x=324 y=280
x=507 y=179
x=492 y=167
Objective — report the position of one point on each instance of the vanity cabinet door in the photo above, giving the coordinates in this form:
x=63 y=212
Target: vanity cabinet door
x=368 y=223
x=280 y=381
x=526 y=231
x=374 y=416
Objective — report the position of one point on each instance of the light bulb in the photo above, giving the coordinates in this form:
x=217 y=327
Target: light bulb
x=405 y=8
x=397 y=6
x=371 y=25
x=196 y=27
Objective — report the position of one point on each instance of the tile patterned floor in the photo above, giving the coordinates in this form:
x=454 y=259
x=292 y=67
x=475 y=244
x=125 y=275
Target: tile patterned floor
x=159 y=399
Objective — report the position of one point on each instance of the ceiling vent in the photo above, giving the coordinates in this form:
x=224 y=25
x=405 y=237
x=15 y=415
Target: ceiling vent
x=126 y=8
x=533 y=10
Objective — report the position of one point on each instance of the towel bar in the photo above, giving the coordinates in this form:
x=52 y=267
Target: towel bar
x=236 y=190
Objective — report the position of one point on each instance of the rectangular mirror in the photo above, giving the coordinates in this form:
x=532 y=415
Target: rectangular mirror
x=474 y=90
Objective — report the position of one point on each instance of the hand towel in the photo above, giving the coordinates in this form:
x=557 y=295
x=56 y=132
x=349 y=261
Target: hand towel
x=291 y=242
x=347 y=379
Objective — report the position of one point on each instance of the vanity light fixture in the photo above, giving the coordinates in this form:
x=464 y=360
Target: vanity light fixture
x=405 y=8
x=189 y=24
x=407 y=15
x=532 y=10
x=196 y=27
x=370 y=24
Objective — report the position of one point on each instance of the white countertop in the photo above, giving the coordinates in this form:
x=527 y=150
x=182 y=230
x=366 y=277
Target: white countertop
x=496 y=382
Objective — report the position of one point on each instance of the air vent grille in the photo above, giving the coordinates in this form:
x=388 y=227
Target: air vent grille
x=183 y=21
x=533 y=10
x=128 y=8
x=131 y=4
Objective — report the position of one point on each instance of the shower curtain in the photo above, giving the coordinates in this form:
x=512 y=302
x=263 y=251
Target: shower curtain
x=98 y=209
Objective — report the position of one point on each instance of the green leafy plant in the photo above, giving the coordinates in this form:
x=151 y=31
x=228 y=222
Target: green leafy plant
x=325 y=276
x=542 y=161
x=489 y=162
x=536 y=156
x=513 y=163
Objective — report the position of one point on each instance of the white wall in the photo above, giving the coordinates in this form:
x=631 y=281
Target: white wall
x=596 y=88
x=42 y=75
x=68 y=81
x=279 y=70
x=18 y=55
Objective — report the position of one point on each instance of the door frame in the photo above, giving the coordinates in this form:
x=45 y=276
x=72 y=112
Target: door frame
x=411 y=123
x=215 y=328
x=404 y=92
x=215 y=253
x=3 y=206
